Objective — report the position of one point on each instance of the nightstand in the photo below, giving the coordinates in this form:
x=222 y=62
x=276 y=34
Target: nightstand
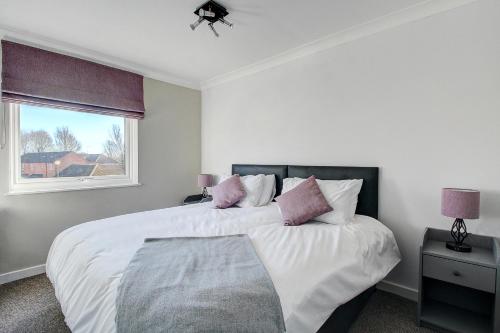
x=197 y=198
x=459 y=292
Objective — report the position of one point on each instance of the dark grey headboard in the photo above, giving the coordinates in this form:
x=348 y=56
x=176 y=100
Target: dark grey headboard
x=368 y=196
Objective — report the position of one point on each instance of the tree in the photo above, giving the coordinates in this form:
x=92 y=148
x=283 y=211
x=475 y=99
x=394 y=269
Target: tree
x=42 y=141
x=36 y=141
x=65 y=140
x=26 y=143
x=114 y=147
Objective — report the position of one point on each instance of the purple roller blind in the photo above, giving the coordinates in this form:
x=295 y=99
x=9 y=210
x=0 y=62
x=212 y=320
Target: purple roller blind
x=32 y=75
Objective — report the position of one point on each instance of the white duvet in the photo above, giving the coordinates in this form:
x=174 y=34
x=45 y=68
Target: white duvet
x=314 y=267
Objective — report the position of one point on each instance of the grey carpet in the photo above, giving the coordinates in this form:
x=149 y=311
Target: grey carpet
x=386 y=312
x=29 y=305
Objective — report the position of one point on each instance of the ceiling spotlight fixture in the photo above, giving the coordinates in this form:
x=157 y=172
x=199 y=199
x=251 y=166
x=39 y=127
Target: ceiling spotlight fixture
x=211 y=12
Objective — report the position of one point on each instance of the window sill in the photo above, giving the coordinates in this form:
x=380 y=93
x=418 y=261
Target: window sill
x=68 y=188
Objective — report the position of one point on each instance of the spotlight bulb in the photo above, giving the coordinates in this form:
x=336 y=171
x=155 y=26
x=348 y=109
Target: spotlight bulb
x=229 y=24
x=211 y=25
x=206 y=13
x=197 y=23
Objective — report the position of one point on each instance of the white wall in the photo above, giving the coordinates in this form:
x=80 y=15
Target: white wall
x=420 y=101
x=169 y=161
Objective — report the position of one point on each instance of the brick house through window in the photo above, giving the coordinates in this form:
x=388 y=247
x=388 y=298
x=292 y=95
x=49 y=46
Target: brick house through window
x=68 y=164
x=44 y=165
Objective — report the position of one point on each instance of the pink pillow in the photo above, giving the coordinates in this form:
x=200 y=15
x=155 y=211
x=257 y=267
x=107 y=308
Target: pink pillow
x=303 y=203
x=228 y=192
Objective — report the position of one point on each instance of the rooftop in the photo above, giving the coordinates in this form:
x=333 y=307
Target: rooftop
x=77 y=170
x=99 y=158
x=44 y=157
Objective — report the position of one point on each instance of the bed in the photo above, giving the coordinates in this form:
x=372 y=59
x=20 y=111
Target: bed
x=335 y=267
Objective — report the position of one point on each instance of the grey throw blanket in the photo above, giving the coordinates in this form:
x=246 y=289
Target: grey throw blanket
x=197 y=284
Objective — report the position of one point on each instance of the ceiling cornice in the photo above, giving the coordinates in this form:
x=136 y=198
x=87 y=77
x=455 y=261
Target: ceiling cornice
x=416 y=12
x=83 y=53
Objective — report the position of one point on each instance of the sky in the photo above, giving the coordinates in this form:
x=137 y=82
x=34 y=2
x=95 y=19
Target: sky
x=92 y=130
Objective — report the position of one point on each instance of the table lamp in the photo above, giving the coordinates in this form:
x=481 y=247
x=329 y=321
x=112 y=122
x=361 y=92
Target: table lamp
x=204 y=181
x=460 y=204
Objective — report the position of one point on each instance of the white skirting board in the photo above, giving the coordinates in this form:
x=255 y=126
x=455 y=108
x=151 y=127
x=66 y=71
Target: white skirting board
x=398 y=289
x=388 y=286
x=21 y=274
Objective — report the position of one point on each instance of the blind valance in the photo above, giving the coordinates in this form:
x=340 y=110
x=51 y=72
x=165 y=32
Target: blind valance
x=33 y=75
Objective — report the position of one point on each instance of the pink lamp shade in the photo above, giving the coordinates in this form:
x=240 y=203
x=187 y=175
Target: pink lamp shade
x=204 y=180
x=460 y=203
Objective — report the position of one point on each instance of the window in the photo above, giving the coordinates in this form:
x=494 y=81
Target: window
x=53 y=149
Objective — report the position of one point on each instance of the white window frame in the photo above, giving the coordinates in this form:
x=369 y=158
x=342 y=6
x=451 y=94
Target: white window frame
x=19 y=185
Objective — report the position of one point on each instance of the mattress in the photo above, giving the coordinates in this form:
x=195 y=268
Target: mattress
x=315 y=267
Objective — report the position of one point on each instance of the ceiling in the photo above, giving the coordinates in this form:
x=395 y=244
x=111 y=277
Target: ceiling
x=155 y=34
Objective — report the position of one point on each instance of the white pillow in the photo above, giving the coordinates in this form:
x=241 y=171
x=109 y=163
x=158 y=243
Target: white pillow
x=341 y=195
x=254 y=186
x=269 y=190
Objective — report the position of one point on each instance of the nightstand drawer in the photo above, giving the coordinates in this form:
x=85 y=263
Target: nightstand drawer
x=468 y=275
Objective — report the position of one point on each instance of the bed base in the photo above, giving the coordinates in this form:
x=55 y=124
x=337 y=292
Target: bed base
x=344 y=316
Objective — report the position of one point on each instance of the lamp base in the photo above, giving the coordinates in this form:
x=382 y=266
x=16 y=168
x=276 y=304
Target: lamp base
x=459 y=234
x=458 y=247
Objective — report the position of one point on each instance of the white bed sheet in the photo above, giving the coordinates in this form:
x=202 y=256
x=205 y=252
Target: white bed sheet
x=315 y=267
